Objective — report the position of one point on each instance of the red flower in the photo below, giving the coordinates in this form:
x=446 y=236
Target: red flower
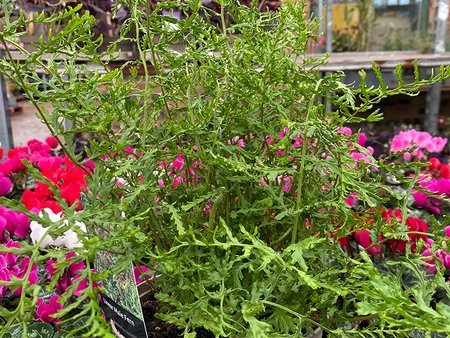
x=434 y=163
x=389 y=214
x=1 y=152
x=414 y=225
x=363 y=239
x=417 y=225
x=444 y=171
x=71 y=193
x=53 y=206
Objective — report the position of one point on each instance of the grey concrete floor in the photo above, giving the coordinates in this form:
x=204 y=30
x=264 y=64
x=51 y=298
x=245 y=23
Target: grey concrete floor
x=26 y=126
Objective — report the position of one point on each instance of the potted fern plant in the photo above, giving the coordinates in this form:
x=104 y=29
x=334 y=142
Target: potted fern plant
x=225 y=174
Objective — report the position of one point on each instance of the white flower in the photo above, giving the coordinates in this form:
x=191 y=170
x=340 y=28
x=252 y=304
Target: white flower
x=69 y=239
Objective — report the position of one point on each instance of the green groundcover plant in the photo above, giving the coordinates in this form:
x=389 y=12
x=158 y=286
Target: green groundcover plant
x=222 y=165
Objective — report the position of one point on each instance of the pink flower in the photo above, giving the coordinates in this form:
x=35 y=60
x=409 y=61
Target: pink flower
x=264 y=182
x=422 y=139
x=241 y=143
x=431 y=265
x=345 y=130
x=359 y=157
x=161 y=183
x=437 y=144
x=397 y=144
x=45 y=311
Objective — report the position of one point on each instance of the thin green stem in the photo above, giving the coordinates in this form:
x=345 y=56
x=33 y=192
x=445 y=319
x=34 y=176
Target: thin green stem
x=298 y=315
x=301 y=173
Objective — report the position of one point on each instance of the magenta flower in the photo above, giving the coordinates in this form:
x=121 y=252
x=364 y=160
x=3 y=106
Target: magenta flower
x=10 y=266
x=45 y=311
x=177 y=164
x=4 y=275
x=5 y=185
x=138 y=275
x=52 y=142
x=350 y=200
x=50 y=163
x=447 y=231
x=14 y=222
x=11 y=258
x=38 y=146
x=270 y=140
x=362 y=139
x=298 y=142
x=19 y=272
x=70 y=274
x=6 y=167
x=177 y=181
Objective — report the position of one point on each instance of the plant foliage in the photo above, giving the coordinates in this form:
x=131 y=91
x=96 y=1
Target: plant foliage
x=233 y=173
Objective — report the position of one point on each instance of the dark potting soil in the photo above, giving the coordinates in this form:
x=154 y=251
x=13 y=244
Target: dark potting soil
x=156 y=328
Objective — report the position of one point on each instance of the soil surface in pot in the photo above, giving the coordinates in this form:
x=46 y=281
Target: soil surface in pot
x=156 y=328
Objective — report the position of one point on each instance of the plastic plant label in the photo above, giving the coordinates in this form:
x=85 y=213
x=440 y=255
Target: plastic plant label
x=121 y=301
